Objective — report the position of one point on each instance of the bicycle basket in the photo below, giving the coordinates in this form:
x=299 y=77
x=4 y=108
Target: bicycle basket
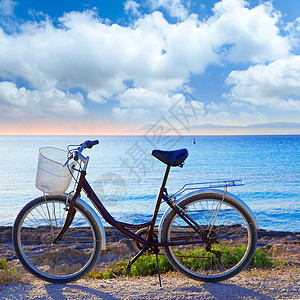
x=52 y=177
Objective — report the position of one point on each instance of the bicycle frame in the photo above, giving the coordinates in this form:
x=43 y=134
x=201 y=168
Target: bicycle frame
x=121 y=226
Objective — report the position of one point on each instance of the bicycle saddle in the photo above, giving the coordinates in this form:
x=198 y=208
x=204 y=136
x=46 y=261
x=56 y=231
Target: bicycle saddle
x=171 y=158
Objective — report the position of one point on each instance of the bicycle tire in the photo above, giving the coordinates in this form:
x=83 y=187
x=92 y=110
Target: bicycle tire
x=35 y=227
x=230 y=242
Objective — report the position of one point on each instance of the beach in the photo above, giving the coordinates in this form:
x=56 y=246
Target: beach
x=280 y=283
x=260 y=285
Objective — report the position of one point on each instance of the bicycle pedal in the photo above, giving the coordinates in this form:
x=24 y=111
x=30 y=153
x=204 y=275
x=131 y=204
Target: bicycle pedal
x=128 y=268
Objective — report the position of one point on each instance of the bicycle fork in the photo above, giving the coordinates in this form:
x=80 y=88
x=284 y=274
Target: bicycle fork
x=71 y=208
x=68 y=221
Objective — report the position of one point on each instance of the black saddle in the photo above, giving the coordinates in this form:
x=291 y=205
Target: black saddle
x=171 y=158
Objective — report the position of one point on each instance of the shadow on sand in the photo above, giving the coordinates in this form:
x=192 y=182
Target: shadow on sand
x=218 y=291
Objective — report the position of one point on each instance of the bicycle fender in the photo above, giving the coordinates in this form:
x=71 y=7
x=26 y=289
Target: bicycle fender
x=205 y=191
x=97 y=219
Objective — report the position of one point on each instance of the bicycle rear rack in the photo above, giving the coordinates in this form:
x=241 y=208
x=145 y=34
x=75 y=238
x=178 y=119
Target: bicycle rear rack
x=207 y=185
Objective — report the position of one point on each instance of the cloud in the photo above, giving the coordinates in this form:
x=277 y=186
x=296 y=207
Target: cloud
x=276 y=85
x=152 y=107
x=7 y=7
x=173 y=110
x=216 y=107
x=176 y=8
x=21 y=102
x=151 y=99
x=132 y=7
x=88 y=53
x=293 y=29
x=247 y=35
x=229 y=117
x=7 y=17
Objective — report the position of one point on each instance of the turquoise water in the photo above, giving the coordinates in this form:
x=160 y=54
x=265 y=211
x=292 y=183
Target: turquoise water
x=127 y=178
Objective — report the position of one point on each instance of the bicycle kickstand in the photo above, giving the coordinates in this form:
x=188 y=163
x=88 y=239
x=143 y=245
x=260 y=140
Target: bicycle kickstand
x=156 y=251
x=131 y=262
x=144 y=249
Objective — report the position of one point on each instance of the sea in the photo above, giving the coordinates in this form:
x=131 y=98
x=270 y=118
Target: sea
x=127 y=178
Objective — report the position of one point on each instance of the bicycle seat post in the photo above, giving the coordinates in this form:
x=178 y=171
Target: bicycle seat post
x=158 y=202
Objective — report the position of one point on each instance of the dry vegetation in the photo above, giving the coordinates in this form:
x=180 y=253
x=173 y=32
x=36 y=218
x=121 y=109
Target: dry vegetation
x=8 y=274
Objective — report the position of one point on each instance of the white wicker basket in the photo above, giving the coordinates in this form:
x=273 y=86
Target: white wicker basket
x=52 y=177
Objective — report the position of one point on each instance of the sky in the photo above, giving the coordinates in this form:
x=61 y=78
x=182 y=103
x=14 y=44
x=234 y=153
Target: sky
x=115 y=67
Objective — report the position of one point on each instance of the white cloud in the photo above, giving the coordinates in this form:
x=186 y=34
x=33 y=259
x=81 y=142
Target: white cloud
x=151 y=108
x=247 y=35
x=216 y=107
x=239 y=118
x=179 y=109
x=85 y=52
x=131 y=6
x=176 y=8
x=293 y=29
x=7 y=7
x=95 y=96
x=151 y=99
x=20 y=102
x=276 y=84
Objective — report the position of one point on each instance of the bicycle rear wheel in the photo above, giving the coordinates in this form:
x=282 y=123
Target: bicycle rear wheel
x=229 y=241
x=35 y=228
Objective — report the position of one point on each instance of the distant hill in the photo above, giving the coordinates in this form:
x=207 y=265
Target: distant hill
x=275 y=124
x=262 y=125
x=207 y=129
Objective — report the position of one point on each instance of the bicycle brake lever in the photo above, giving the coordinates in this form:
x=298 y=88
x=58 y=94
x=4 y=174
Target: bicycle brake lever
x=75 y=155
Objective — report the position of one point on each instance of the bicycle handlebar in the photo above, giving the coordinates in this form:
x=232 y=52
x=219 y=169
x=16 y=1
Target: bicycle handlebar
x=77 y=153
x=88 y=144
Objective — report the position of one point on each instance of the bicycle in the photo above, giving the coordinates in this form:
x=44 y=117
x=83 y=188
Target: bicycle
x=206 y=233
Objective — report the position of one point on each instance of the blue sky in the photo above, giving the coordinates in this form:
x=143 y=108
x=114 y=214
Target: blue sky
x=103 y=67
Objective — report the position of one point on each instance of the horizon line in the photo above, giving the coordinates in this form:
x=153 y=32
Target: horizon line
x=191 y=135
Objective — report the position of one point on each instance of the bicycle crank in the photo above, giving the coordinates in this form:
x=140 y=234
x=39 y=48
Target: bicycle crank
x=143 y=233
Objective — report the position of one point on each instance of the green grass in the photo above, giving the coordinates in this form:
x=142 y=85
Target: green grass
x=230 y=257
x=146 y=265
x=8 y=274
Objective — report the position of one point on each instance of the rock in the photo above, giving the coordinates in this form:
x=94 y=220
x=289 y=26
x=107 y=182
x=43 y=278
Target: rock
x=277 y=250
x=278 y=244
x=118 y=248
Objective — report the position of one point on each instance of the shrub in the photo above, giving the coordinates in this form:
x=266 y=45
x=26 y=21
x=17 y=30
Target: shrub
x=146 y=265
x=7 y=273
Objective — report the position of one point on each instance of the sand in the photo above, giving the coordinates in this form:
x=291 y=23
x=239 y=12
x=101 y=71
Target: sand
x=255 y=284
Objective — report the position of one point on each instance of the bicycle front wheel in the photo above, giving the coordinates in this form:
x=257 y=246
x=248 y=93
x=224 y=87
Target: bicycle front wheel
x=224 y=244
x=69 y=259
